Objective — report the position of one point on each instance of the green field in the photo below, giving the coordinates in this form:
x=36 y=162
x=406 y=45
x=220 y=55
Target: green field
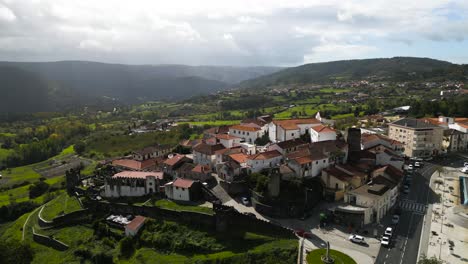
x=4 y=153
x=334 y=90
x=339 y=257
x=63 y=204
x=212 y=123
x=168 y=204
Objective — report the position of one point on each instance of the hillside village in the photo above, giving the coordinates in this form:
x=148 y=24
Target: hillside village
x=285 y=168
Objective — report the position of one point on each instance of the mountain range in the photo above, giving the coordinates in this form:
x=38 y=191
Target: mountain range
x=77 y=83
x=63 y=85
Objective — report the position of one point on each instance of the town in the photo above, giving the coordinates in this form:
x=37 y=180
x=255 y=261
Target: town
x=367 y=191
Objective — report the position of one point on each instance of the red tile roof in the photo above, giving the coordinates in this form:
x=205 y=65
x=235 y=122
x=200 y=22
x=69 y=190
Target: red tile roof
x=135 y=164
x=323 y=129
x=239 y=157
x=174 y=160
x=138 y=174
x=183 y=183
x=226 y=137
x=292 y=124
x=136 y=223
x=245 y=128
x=207 y=149
x=201 y=169
x=265 y=155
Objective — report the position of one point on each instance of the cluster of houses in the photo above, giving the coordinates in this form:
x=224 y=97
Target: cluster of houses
x=361 y=173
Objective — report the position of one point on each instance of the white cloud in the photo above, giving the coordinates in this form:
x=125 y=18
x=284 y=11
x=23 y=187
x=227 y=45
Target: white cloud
x=279 y=32
x=6 y=14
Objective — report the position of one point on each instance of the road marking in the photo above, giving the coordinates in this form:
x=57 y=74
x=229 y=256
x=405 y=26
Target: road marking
x=406 y=240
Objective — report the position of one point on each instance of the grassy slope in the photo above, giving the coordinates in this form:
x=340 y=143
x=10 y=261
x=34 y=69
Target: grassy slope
x=61 y=204
x=340 y=258
x=168 y=204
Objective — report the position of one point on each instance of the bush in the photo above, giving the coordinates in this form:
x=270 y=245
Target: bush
x=15 y=252
x=38 y=189
x=126 y=247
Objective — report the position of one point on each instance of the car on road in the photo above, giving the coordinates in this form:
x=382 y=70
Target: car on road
x=417 y=164
x=245 y=201
x=406 y=189
x=385 y=241
x=302 y=233
x=465 y=163
x=464 y=170
x=388 y=232
x=410 y=167
x=395 y=219
x=356 y=239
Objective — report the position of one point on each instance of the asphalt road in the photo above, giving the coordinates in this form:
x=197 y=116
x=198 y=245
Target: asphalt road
x=405 y=242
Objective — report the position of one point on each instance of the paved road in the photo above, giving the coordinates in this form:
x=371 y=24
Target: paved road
x=407 y=234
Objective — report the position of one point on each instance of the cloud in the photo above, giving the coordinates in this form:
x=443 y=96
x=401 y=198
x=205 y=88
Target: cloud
x=6 y=14
x=243 y=32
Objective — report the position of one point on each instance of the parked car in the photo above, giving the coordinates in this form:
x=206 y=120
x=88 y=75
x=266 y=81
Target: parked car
x=417 y=164
x=385 y=241
x=356 y=239
x=464 y=170
x=388 y=232
x=245 y=201
x=395 y=219
x=465 y=163
x=410 y=167
x=302 y=233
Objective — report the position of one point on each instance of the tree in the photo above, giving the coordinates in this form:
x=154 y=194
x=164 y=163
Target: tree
x=432 y=260
x=79 y=147
x=15 y=252
x=126 y=247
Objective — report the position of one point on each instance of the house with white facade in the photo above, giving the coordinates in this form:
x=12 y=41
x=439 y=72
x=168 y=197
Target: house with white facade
x=228 y=141
x=151 y=152
x=183 y=190
x=205 y=154
x=282 y=130
x=385 y=156
x=133 y=184
x=322 y=133
x=288 y=146
x=306 y=163
x=374 y=200
x=248 y=134
x=264 y=160
x=338 y=180
x=455 y=140
x=372 y=140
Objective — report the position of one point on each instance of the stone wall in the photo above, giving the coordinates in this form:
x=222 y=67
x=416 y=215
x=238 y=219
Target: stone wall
x=49 y=242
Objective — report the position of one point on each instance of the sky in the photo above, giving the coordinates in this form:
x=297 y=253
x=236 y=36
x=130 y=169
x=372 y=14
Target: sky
x=234 y=32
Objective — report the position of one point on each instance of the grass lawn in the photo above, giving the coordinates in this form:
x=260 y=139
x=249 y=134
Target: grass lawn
x=334 y=90
x=63 y=204
x=168 y=204
x=309 y=110
x=342 y=116
x=212 y=123
x=340 y=258
x=4 y=153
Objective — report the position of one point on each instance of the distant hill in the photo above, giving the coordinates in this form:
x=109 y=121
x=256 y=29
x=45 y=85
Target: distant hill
x=392 y=69
x=84 y=83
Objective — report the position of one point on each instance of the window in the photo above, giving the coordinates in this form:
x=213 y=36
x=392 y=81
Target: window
x=292 y=134
x=324 y=161
x=248 y=133
x=316 y=162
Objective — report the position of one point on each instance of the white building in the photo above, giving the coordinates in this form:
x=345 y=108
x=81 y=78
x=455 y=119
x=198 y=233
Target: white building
x=228 y=141
x=247 y=133
x=282 y=130
x=309 y=165
x=205 y=154
x=182 y=190
x=375 y=199
x=263 y=160
x=132 y=183
x=322 y=133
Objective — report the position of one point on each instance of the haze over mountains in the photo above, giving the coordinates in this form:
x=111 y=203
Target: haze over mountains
x=55 y=86
x=82 y=83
